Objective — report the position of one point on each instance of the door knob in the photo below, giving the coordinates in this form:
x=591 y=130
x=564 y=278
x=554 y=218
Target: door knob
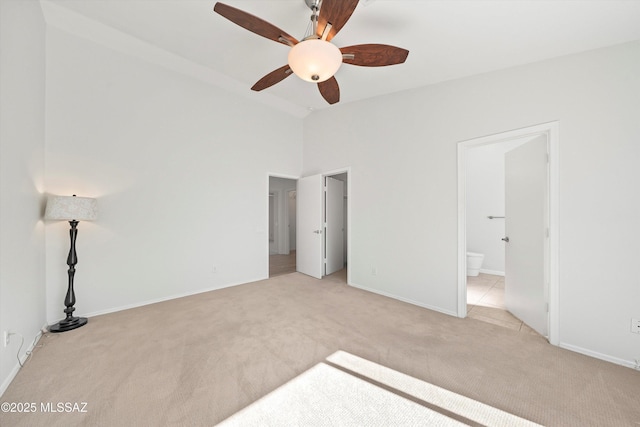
x=506 y=239
x=317 y=231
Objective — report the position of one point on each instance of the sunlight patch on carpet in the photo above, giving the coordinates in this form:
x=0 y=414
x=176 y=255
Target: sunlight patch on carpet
x=431 y=394
x=349 y=390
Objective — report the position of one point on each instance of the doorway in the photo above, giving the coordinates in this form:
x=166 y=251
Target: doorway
x=485 y=231
x=492 y=223
x=335 y=214
x=282 y=225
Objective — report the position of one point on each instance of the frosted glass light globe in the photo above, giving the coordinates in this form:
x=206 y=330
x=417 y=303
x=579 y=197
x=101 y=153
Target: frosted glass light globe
x=315 y=60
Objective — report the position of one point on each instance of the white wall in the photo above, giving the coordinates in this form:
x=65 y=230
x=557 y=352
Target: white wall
x=485 y=197
x=179 y=168
x=402 y=153
x=22 y=138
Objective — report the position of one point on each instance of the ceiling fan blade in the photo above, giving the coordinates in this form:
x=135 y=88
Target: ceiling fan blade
x=254 y=24
x=330 y=90
x=276 y=76
x=336 y=13
x=374 y=55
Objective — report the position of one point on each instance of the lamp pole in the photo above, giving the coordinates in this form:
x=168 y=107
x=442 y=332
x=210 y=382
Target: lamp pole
x=70 y=322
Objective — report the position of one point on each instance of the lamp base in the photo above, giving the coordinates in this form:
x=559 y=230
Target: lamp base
x=68 y=324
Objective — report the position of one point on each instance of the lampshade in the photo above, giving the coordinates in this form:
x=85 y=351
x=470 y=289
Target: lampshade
x=315 y=60
x=71 y=208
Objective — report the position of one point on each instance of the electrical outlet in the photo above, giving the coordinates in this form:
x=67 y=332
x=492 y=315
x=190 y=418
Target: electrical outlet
x=635 y=326
x=374 y=271
x=6 y=338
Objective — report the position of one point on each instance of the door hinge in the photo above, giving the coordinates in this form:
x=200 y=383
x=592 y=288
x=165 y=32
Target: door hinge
x=547 y=232
x=547 y=156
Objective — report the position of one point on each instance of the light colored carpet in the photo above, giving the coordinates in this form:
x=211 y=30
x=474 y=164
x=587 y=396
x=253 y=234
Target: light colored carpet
x=198 y=360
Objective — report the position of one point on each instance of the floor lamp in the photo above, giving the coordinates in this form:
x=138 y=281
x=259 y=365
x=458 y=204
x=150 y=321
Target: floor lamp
x=72 y=209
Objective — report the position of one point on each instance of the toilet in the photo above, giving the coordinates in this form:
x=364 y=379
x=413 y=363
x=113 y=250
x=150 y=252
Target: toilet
x=474 y=263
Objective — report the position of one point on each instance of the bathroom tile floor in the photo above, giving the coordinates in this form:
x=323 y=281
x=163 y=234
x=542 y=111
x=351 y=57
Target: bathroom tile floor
x=485 y=302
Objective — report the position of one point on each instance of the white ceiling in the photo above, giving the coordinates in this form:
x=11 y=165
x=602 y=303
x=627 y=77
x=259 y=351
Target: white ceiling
x=447 y=39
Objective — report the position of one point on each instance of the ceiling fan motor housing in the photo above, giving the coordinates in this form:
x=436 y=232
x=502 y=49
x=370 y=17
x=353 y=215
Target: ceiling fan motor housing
x=312 y=4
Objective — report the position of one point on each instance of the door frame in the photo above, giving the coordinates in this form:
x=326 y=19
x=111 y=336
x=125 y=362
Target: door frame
x=551 y=130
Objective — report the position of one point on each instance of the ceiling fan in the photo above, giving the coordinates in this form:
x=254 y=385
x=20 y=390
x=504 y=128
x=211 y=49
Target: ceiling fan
x=314 y=58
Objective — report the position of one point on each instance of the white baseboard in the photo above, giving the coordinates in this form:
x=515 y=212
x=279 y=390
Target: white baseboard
x=601 y=356
x=410 y=301
x=16 y=368
x=175 y=296
x=7 y=381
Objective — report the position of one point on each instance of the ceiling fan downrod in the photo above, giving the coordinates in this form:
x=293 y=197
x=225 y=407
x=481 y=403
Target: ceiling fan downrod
x=314 y=5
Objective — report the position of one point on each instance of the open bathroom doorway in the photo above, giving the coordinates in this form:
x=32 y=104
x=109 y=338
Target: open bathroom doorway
x=488 y=214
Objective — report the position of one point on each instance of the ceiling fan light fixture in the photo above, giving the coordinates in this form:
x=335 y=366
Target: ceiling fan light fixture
x=315 y=60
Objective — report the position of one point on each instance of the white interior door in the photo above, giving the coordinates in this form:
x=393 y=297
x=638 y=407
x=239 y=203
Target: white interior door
x=526 y=222
x=334 y=225
x=309 y=241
